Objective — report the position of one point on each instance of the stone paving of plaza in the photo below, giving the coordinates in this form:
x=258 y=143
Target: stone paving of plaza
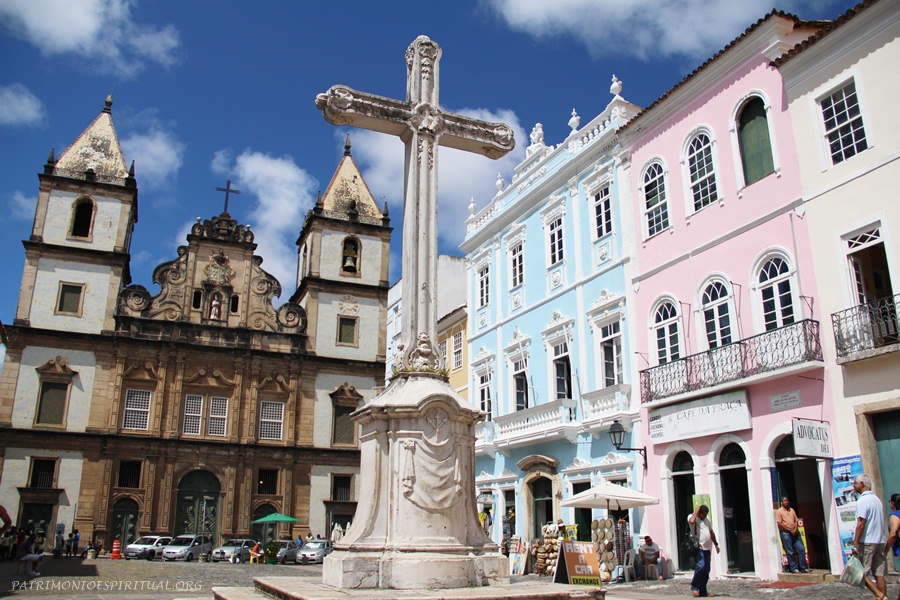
x=143 y=580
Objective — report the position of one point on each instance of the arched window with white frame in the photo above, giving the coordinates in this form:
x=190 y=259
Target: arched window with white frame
x=667 y=333
x=701 y=171
x=656 y=207
x=754 y=141
x=776 y=293
x=715 y=302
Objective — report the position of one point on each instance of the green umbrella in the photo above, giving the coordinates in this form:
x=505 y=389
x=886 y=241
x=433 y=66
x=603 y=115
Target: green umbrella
x=276 y=518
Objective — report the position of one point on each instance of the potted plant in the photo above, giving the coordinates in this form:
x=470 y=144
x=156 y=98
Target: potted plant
x=271 y=553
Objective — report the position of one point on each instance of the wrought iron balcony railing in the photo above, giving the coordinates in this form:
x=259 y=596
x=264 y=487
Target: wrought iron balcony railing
x=867 y=327
x=783 y=347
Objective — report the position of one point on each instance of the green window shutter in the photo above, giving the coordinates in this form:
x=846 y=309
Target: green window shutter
x=756 y=149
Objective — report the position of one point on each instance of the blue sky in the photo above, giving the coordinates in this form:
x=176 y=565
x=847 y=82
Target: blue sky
x=206 y=91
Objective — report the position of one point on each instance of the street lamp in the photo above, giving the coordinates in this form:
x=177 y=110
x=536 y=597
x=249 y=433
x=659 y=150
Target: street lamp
x=617 y=437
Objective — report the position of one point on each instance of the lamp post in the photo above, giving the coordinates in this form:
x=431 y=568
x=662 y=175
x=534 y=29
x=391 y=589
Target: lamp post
x=617 y=437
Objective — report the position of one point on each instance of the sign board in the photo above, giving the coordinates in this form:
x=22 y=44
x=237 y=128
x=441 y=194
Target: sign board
x=843 y=472
x=812 y=438
x=708 y=416
x=785 y=401
x=577 y=564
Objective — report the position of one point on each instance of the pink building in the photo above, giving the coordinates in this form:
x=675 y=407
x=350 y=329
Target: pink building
x=726 y=310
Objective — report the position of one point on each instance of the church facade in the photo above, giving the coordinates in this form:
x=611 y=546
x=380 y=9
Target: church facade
x=204 y=406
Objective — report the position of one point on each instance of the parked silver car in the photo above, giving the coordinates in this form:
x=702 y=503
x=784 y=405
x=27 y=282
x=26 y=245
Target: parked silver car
x=236 y=551
x=315 y=551
x=288 y=551
x=187 y=548
x=148 y=546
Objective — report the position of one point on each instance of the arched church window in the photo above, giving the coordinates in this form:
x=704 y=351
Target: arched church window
x=683 y=462
x=82 y=218
x=197 y=300
x=350 y=256
x=732 y=455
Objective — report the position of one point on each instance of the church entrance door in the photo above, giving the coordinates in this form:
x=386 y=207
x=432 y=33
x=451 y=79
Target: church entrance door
x=125 y=515
x=197 y=511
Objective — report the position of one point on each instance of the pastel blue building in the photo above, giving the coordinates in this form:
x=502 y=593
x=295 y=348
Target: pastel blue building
x=549 y=352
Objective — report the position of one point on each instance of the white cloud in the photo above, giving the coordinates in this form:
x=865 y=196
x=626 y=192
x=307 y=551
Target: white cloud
x=281 y=193
x=157 y=155
x=695 y=29
x=461 y=176
x=101 y=31
x=18 y=106
x=21 y=207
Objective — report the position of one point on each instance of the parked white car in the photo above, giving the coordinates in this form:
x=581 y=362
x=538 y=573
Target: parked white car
x=187 y=548
x=148 y=546
x=236 y=551
x=314 y=551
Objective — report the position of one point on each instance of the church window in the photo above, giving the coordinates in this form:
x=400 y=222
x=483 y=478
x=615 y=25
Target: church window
x=344 y=431
x=129 y=474
x=347 y=331
x=137 y=410
x=556 y=240
x=656 y=209
x=602 y=213
x=82 y=218
x=215 y=415
x=341 y=486
x=235 y=303
x=484 y=286
x=267 y=483
x=197 y=300
x=350 y=257
x=457 y=350
x=611 y=353
x=754 y=141
x=43 y=471
x=271 y=420
x=69 y=300
x=702 y=173
x=51 y=408
x=844 y=131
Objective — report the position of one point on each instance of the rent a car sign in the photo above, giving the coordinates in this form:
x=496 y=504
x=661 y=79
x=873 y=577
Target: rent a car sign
x=577 y=564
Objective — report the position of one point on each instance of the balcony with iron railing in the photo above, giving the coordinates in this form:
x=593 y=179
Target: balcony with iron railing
x=792 y=348
x=867 y=330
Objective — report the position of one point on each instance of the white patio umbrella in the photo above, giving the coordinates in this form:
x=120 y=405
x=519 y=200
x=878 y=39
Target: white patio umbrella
x=609 y=496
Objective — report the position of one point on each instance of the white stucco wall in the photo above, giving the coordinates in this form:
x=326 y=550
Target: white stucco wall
x=59 y=219
x=50 y=273
x=370 y=254
x=368 y=328
x=28 y=389
x=320 y=491
x=16 y=465
x=326 y=383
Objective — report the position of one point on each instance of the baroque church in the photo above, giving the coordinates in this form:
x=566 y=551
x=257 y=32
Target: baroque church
x=201 y=407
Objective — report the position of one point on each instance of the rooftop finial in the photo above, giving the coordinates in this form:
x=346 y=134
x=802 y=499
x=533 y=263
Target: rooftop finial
x=347 y=146
x=108 y=107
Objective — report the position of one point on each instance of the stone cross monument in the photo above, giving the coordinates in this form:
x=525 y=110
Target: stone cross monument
x=422 y=126
x=416 y=523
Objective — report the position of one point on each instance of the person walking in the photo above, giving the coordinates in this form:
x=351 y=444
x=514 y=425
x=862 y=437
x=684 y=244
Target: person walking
x=789 y=530
x=892 y=545
x=69 y=546
x=702 y=528
x=75 y=541
x=869 y=539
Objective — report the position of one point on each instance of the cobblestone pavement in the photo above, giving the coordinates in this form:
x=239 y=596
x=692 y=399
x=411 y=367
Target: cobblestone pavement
x=143 y=580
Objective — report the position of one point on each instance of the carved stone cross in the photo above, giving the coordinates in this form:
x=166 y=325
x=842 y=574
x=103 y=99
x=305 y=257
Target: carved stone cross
x=228 y=190
x=422 y=126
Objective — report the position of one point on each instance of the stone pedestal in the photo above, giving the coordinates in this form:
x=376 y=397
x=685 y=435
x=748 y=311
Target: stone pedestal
x=416 y=524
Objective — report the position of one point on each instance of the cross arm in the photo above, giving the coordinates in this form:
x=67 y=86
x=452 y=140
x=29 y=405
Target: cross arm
x=474 y=135
x=342 y=105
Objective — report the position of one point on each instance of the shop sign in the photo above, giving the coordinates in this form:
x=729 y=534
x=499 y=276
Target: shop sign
x=812 y=438
x=708 y=416
x=577 y=564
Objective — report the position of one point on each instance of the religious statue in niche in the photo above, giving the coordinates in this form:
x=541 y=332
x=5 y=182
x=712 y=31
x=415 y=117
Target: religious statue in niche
x=215 y=307
x=219 y=270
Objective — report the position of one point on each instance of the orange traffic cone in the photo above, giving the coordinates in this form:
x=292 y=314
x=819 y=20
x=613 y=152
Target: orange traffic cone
x=117 y=550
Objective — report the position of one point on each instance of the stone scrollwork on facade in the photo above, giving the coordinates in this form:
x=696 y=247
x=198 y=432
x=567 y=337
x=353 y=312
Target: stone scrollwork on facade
x=422 y=357
x=219 y=270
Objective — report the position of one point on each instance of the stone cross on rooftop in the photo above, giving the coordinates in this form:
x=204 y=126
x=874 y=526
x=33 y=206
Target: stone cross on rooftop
x=228 y=190
x=422 y=125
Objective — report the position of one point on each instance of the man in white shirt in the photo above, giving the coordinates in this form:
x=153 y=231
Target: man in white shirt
x=699 y=524
x=869 y=538
x=650 y=554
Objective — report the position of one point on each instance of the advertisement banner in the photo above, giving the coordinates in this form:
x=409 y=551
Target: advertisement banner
x=577 y=564
x=707 y=416
x=843 y=471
